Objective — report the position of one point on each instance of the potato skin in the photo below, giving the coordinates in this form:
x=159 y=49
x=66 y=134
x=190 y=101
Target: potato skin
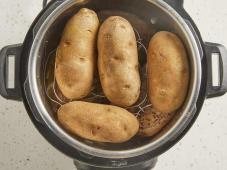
x=118 y=61
x=168 y=72
x=97 y=122
x=152 y=122
x=76 y=55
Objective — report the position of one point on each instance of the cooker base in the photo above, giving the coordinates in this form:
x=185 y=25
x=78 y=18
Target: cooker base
x=148 y=165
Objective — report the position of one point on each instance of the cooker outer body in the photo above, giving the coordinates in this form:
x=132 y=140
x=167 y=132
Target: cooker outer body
x=70 y=151
x=82 y=159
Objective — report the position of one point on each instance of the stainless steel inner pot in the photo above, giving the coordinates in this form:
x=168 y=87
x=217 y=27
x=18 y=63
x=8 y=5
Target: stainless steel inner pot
x=155 y=13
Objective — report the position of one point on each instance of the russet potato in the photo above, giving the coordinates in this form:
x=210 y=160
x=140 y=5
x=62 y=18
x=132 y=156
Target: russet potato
x=97 y=122
x=118 y=61
x=168 y=72
x=76 y=55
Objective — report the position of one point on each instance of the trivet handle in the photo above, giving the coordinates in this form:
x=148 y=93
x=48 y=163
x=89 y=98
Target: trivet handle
x=216 y=53
x=10 y=55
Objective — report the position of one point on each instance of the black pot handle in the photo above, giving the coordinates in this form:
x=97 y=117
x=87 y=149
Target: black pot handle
x=220 y=52
x=7 y=92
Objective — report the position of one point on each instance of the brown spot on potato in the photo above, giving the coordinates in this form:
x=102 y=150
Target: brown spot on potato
x=82 y=59
x=127 y=86
x=69 y=85
x=162 y=92
x=67 y=43
x=116 y=58
x=161 y=54
x=89 y=31
x=130 y=43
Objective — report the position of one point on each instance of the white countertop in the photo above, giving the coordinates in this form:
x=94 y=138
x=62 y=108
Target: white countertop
x=23 y=148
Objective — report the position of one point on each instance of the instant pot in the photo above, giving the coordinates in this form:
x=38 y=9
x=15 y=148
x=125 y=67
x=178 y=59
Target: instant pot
x=137 y=154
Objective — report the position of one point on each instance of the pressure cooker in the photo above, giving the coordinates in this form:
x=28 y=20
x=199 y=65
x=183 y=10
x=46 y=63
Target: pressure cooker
x=44 y=35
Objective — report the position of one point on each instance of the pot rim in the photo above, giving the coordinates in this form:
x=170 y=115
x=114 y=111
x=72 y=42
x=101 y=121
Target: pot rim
x=179 y=126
